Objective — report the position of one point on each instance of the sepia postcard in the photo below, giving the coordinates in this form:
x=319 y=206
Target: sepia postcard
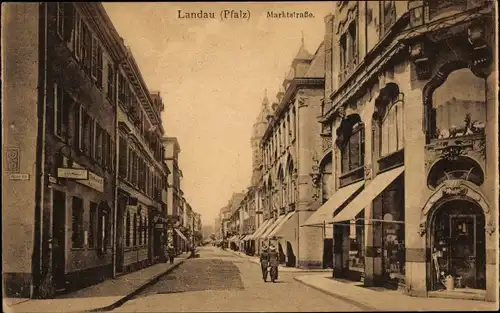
x=250 y=156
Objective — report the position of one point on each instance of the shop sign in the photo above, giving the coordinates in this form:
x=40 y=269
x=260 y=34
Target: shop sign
x=94 y=181
x=72 y=173
x=158 y=226
x=19 y=176
x=52 y=180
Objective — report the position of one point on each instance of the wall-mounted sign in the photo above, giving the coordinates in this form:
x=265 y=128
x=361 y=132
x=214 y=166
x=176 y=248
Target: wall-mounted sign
x=52 y=180
x=72 y=173
x=19 y=176
x=94 y=181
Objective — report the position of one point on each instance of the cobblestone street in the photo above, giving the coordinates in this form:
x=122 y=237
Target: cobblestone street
x=221 y=281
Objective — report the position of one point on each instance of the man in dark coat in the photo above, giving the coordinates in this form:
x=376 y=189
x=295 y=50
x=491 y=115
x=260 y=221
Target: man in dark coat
x=264 y=262
x=273 y=261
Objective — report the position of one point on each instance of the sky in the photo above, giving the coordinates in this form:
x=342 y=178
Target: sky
x=212 y=75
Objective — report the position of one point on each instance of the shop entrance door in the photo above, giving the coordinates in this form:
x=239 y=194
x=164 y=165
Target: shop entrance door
x=459 y=246
x=58 y=235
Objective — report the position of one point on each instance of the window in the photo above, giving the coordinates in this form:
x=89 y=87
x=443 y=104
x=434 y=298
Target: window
x=130 y=162
x=111 y=79
x=391 y=134
x=389 y=14
x=97 y=62
x=77 y=40
x=79 y=127
x=86 y=48
x=98 y=143
x=77 y=237
x=123 y=162
x=60 y=19
x=352 y=153
x=127 y=230
x=105 y=148
x=92 y=225
x=93 y=125
x=87 y=130
x=62 y=104
x=343 y=51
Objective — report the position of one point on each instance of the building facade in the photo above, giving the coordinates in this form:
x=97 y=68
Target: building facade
x=408 y=87
x=290 y=149
x=60 y=103
x=175 y=195
x=142 y=172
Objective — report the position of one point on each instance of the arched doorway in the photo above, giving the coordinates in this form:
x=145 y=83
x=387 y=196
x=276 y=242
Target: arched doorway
x=457 y=244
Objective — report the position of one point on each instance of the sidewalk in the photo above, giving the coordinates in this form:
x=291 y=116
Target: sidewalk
x=100 y=297
x=256 y=260
x=379 y=299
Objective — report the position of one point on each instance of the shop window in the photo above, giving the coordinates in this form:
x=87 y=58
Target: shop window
x=357 y=244
x=104 y=227
x=459 y=106
x=458 y=246
x=93 y=220
x=77 y=237
x=391 y=211
x=128 y=230
x=60 y=19
x=134 y=232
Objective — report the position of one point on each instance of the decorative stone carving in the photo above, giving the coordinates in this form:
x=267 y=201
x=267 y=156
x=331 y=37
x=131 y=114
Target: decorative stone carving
x=368 y=171
x=422 y=228
x=420 y=56
x=454 y=191
x=326 y=143
x=481 y=55
x=490 y=227
x=12 y=159
x=301 y=101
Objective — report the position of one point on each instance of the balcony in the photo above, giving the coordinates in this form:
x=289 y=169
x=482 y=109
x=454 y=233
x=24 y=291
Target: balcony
x=453 y=150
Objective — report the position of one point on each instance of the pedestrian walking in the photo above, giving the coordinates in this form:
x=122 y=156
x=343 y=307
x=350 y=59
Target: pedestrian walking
x=264 y=262
x=171 y=254
x=273 y=262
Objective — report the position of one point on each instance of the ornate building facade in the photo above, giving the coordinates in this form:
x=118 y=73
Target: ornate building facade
x=407 y=93
x=290 y=144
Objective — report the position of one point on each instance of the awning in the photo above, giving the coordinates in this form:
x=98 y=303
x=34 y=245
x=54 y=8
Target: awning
x=325 y=212
x=265 y=235
x=180 y=234
x=280 y=224
x=241 y=237
x=262 y=228
x=371 y=191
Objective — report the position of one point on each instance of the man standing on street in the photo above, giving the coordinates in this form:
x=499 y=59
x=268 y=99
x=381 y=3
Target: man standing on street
x=264 y=262
x=273 y=262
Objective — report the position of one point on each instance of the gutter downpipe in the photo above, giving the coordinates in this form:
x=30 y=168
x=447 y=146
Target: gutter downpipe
x=40 y=153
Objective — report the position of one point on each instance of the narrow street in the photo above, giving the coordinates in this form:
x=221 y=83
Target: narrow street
x=221 y=281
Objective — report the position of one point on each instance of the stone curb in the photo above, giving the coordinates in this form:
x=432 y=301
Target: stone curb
x=357 y=303
x=138 y=290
